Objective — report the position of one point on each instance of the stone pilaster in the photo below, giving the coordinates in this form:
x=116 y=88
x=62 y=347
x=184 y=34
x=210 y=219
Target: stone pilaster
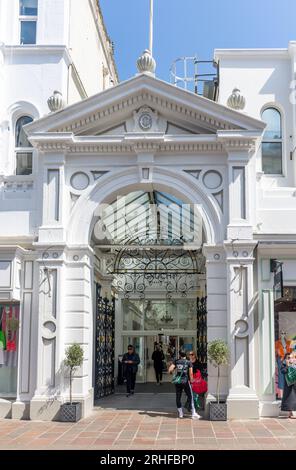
x=47 y=398
x=242 y=399
x=216 y=311
x=27 y=340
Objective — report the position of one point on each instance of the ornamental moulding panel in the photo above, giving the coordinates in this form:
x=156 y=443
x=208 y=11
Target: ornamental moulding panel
x=132 y=103
x=223 y=141
x=143 y=146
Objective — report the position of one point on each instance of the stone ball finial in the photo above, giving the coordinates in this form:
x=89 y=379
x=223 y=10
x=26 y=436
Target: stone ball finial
x=146 y=63
x=236 y=100
x=55 y=102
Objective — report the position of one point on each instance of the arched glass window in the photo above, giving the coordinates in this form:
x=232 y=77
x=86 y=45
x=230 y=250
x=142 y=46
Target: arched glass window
x=272 y=144
x=23 y=148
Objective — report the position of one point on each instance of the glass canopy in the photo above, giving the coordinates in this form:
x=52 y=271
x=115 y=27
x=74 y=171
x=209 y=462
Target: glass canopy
x=148 y=217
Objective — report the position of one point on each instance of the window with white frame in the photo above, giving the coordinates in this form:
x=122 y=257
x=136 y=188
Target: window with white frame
x=272 y=143
x=23 y=148
x=28 y=21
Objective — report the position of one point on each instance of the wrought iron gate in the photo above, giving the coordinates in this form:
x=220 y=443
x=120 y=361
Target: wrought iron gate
x=104 y=356
x=201 y=343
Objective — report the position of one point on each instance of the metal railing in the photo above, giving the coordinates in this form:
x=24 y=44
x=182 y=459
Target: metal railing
x=194 y=75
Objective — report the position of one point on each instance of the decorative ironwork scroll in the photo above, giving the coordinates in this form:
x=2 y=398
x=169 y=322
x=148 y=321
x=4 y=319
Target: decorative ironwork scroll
x=153 y=265
x=104 y=367
x=201 y=333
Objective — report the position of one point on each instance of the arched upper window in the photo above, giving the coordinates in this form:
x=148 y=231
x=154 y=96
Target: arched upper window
x=28 y=21
x=23 y=148
x=272 y=143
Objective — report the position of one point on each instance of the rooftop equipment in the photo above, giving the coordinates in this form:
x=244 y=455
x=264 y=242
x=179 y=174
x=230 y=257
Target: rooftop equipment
x=198 y=76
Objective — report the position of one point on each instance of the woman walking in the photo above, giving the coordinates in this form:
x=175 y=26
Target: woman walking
x=184 y=375
x=198 y=384
x=289 y=395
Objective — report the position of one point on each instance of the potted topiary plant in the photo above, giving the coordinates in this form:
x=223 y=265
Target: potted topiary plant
x=218 y=354
x=71 y=412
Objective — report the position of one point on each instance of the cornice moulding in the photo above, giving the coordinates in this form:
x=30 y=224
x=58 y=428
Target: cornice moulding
x=37 y=49
x=250 y=53
x=67 y=142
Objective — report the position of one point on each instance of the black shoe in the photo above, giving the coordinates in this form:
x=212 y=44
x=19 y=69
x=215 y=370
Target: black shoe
x=128 y=394
x=132 y=392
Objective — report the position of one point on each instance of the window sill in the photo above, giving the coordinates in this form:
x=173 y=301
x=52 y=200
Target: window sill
x=271 y=175
x=18 y=178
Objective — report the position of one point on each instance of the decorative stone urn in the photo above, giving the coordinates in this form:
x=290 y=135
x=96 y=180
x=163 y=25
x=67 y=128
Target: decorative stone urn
x=236 y=100
x=146 y=63
x=55 y=102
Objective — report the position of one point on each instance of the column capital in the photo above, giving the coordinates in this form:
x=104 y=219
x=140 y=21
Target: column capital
x=240 y=251
x=239 y=144
x=214 y=253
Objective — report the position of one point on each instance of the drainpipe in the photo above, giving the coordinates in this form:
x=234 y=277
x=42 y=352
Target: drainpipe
x=69 y=38
x=292 y=99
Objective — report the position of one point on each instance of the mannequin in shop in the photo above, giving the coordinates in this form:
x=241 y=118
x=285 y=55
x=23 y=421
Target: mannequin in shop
x=282 y=347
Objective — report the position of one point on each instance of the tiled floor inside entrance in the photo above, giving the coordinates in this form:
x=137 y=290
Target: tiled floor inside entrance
x=147 y=421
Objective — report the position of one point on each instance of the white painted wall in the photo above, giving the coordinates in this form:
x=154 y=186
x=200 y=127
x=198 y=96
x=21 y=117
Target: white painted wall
x=264 y=78
x=68 y=56
x=87 y=51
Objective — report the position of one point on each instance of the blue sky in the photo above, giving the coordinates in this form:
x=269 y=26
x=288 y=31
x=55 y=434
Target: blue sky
x=195 y=27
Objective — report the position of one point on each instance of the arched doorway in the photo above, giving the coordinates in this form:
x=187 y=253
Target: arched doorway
x=150 y=249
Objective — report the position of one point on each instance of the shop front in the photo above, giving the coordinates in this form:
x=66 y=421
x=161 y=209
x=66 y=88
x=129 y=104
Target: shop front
x=9 y=344
x=285 y=334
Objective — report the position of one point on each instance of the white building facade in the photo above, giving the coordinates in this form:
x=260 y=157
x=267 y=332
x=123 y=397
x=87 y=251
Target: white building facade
x=49 y=50
x=145 y=141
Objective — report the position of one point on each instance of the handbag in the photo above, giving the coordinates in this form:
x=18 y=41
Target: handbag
x=291 y=376
x=199 y=385
x=177 y=378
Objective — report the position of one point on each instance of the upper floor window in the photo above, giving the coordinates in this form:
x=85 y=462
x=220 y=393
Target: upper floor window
x=272 y=143
x=28 y=21
x=23 y=148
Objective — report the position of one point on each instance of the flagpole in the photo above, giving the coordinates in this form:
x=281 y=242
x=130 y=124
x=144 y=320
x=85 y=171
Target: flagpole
x=151 y=27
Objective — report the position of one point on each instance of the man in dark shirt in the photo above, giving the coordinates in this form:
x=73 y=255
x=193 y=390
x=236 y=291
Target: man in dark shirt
x=157 y=358
x=130 y=361
x=184 y=370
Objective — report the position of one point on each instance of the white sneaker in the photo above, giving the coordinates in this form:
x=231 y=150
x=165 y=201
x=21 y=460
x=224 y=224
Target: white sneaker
x=195 y=416
x=180 y=413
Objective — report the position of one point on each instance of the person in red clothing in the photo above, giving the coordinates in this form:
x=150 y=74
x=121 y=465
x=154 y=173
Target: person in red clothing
x=198 y=384
x=184 y=371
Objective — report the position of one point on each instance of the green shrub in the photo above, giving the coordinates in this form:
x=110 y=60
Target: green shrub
x=74 y=359
x=218 y=355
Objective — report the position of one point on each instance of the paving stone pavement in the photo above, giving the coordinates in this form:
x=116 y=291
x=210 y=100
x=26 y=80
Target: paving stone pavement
x=110 y=428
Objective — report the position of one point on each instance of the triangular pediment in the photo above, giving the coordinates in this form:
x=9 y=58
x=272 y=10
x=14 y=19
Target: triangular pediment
x=114 y=111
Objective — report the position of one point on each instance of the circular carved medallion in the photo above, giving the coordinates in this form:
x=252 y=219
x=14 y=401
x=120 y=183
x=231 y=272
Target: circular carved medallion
x=145 y=121
x=79 y=181
x=212 y=179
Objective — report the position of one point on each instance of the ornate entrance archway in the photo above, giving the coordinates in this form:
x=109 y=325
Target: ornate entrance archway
x=154 y=269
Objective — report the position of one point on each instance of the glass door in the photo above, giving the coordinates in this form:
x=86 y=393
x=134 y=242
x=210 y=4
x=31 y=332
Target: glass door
x=169 y=345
